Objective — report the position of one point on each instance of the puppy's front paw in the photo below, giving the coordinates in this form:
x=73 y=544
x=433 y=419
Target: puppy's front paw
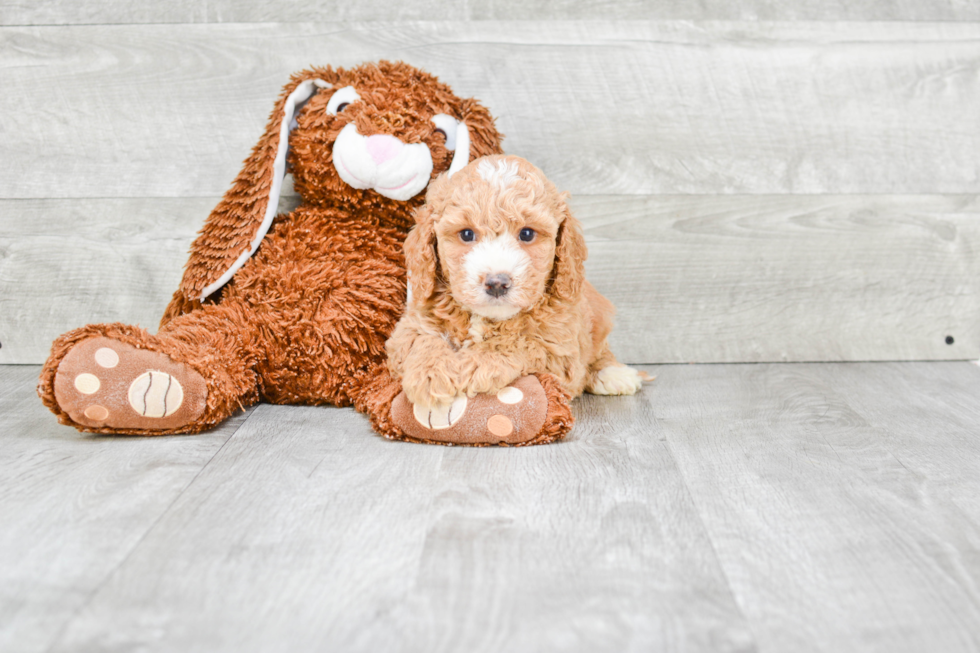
x=430 y=386
x=616 y=380
x=483 y=375
x=484 y=385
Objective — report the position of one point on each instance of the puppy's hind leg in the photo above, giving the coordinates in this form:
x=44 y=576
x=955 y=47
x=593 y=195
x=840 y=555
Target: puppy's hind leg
x=609 y=377
x=615 y=380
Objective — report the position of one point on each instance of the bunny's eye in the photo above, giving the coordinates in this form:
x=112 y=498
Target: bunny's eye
x=341 y=100
x=467 y=235
x=446 y=125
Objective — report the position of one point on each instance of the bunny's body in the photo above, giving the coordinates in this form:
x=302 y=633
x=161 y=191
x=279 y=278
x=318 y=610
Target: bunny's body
x=296 y=308
x=301 y=325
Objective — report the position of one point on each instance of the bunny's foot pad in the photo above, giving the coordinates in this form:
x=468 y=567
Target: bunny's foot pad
x=514 y=416
x=103 y=383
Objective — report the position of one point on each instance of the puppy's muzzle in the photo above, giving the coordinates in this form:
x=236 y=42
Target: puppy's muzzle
x=497 y=285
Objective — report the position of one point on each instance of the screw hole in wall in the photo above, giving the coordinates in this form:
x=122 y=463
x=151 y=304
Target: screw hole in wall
x=950 y=340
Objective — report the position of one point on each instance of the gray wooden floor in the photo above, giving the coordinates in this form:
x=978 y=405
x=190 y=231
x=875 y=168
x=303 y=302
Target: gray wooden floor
x=781 y=507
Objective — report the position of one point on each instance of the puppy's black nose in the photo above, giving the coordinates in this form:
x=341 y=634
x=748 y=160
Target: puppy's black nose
x=497 y=285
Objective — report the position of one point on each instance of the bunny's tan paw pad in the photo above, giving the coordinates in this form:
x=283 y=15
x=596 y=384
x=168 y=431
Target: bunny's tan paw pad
x=513 y=416
x=103 y=383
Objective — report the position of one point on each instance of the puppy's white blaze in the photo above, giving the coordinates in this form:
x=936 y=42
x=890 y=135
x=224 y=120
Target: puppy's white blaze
x=497 y=255
x=500 y=255
x=502 y=175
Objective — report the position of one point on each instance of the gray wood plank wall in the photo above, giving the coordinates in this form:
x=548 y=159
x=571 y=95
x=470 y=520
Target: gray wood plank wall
x=67 y=12
x=752 y=191
x=601 y=107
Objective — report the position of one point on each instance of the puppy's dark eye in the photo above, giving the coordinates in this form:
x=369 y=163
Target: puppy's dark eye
x=467 y=235
x=527 y=235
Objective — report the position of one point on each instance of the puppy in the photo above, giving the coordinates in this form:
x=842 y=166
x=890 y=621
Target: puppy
x=497 y=291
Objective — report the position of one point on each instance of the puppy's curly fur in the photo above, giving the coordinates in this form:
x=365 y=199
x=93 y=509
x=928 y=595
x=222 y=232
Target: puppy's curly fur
x=498 y=291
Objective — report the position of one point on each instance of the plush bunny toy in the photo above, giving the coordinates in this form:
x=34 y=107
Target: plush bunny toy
x=296 y=309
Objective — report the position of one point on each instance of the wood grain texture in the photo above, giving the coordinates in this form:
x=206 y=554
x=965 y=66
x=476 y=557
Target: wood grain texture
x=794 y=507
x=63 y=12
x=603 y=107
x=64 y=264
x=841 y=499
x=308 y=532
x=74 y=507
x=787 y=278
x=696 y=279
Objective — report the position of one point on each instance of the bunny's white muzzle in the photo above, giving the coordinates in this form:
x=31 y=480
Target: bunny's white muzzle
x=382 y=163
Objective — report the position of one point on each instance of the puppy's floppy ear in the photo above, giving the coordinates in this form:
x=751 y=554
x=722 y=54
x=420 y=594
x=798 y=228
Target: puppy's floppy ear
x=421 y=256
x=237 y=225
x=570 y=255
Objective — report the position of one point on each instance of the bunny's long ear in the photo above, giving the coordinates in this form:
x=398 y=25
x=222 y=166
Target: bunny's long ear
x=237 y=225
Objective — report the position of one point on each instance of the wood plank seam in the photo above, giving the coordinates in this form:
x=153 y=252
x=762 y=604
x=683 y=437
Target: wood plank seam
x=699 y=511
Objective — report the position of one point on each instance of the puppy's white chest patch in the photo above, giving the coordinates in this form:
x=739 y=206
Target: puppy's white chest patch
x=477 y=330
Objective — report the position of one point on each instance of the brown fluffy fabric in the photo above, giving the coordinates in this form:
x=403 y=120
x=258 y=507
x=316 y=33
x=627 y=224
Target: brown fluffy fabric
x=305 y=320
x=559 y=420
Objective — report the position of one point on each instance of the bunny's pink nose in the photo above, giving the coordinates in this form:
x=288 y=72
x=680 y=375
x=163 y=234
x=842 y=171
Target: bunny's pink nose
x=383 y=147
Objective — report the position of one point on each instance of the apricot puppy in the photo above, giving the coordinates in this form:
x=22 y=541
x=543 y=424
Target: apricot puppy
x=497 y=292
